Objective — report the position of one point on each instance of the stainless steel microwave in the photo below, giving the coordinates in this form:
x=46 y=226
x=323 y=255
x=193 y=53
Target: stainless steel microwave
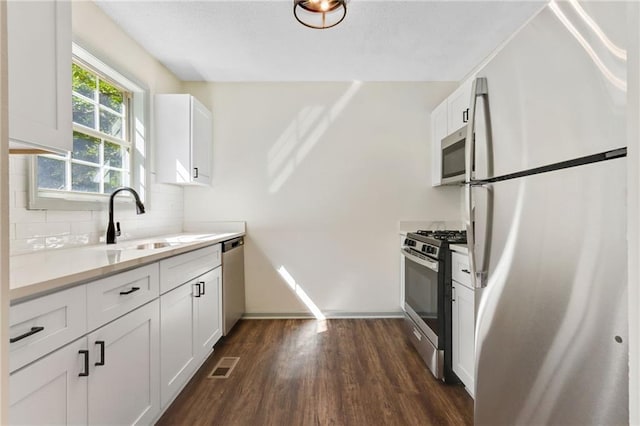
x=453 y=157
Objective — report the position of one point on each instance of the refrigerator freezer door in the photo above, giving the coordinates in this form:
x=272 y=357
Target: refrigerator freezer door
x=551 y=330
x=557 y=90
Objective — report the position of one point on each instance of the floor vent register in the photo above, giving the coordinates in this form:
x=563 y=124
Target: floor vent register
x=224 y=367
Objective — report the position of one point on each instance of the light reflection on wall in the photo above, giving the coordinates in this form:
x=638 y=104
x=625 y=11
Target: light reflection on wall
x=302 y=134
x=302 y=295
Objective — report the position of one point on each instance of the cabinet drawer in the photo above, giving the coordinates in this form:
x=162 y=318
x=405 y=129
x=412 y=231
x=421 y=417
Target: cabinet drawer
x=46 y=323
x=112 y=297
x=182 y=268
x=460 y=271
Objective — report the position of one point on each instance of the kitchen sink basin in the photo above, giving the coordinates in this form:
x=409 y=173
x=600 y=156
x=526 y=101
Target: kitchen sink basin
x=151 y=246
x=156 y=243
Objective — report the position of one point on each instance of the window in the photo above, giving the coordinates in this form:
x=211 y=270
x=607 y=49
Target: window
x=107 y=108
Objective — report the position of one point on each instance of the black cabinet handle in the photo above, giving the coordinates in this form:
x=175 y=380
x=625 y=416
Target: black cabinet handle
x=465 y=115
x=466 y=271
x=199 y=293
x=122 y=293
x=101 y=343
x=86 y=362
x=204 y=287
x=31 y=332
x=195 y=173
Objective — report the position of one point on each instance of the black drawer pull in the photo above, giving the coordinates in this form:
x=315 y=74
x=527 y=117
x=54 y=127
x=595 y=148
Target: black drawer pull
x=204 y=287
x=86 y=362
x=31 y=332
x=122 y=293
x=466 y=271
x=199 y=293
x=101 y=343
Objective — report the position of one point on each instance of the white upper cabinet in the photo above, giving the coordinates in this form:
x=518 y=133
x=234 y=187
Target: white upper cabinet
x=183 y=140
x=39 y=71
x=458 y=107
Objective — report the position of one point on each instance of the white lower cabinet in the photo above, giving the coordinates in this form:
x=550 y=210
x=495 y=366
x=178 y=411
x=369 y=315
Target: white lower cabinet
x=124 y=387
x=107 y=377
x=177 y=347
x=51 y=390
x=127 y=356
x=208 y=315
x=190 y=325
x=463 y=354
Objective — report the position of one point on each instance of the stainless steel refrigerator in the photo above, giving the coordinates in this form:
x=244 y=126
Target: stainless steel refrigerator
x=546 y=173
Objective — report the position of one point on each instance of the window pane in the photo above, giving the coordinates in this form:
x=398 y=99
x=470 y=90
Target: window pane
x=85 y=178
x=112 y=181
x=86 y=148
x=111 y=96
x=113 y=154
x=83 y=113
x=51 y=173
x=110 y=124
x=83 y=81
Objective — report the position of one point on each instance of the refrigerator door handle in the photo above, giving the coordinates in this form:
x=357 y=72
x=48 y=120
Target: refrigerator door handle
x=479 y=276
x=480 y=266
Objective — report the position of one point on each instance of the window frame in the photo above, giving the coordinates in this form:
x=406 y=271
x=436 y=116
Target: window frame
x=137 y=129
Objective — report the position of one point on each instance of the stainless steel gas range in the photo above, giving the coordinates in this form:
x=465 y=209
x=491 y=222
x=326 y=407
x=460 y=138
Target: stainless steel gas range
x=427 y=297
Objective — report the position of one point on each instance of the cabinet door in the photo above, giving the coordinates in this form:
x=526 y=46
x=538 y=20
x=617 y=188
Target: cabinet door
x=463 y=356
x=172 y=137
x=458 y=105
x=125 y=390
x=439 y=130
x=208 y=319
x=39 y=72
x=50 y=391
x=177 y=340
x=200 y=142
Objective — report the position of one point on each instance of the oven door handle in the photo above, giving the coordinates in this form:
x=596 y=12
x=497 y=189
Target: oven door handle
x=431 y=264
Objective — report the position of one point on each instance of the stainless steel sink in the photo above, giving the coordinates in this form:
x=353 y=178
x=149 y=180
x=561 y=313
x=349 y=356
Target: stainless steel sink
x=151 y=246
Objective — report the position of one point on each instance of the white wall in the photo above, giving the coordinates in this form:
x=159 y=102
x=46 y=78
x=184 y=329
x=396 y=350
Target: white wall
x=38 y=230
x=322 y=173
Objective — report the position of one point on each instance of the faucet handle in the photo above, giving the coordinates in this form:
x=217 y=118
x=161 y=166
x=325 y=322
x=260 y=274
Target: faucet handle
x=118 y=229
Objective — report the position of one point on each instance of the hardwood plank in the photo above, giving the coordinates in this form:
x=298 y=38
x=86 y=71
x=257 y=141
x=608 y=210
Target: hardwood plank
x=307 y=372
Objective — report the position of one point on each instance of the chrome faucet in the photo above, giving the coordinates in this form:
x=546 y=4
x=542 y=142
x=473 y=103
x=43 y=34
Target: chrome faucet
x=114 y=231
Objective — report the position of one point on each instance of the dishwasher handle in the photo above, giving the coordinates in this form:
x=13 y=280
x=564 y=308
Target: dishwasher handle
x=232 y=244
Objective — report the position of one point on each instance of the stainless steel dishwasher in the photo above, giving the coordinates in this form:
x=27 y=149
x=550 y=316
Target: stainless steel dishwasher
x=232 y=283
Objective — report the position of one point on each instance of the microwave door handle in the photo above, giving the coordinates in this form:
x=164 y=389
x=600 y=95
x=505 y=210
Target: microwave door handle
x=430 y=264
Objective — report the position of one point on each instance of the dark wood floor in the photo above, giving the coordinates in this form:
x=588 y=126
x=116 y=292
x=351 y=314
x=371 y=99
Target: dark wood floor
x=305 y=372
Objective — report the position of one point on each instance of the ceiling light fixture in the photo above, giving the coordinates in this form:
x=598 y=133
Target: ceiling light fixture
x=320 y=14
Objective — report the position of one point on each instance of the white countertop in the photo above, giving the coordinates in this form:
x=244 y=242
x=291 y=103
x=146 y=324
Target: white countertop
x=45 y=271
x=460 y=248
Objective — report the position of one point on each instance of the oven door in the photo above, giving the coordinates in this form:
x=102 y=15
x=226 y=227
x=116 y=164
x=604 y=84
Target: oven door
x=423 y=294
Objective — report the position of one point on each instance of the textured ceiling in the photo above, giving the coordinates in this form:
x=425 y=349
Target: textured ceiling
x=241 y=40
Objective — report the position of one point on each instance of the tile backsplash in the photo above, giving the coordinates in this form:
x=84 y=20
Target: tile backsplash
x=32 y=230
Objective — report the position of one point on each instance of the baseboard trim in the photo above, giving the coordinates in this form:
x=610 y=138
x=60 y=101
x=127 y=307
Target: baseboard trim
x=328 y=315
